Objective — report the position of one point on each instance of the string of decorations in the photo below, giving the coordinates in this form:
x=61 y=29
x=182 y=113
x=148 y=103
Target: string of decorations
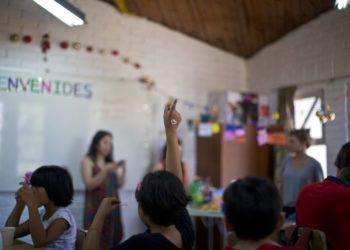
x=325 y=114
x=65 y=45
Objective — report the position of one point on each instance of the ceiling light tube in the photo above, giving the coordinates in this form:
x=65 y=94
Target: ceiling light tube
x=64 y=11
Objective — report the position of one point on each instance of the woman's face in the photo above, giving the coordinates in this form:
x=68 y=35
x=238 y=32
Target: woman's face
x=295 y=145
x=105 y=146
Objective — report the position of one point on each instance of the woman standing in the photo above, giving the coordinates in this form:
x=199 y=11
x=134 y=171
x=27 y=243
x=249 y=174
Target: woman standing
x=102 y=178
x=298 y=170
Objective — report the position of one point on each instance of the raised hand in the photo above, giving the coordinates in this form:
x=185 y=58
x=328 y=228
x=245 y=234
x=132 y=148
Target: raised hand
x=107 y=206
x=172 y=120
x=172 y=117
x=26 y=194
x=111 y=167
x=121 y=163
x=19 y=200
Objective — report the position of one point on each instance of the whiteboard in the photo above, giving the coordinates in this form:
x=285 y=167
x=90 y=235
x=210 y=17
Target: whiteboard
x=43 y=128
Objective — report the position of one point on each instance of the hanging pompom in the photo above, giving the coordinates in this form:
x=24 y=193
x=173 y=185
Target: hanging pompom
x=89 y=49
x=102 y=52
x=27 y=39
x=115 y=52
x=64 y=45
x=14 y=37
x=76 y=45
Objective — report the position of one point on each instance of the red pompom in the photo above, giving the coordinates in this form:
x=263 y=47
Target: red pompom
x=64 y=45
x=45 y=46
x=27 y=39
x=89 y=49
x=115 y=52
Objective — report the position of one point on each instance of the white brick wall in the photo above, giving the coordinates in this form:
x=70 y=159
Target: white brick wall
x=170 y=57
x=317 y=50
x=311 y=57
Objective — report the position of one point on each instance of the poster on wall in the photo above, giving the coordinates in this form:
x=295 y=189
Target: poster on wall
x=242 y=109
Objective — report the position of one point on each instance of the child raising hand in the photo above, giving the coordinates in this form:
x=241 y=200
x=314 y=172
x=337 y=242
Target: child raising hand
x=161 y=203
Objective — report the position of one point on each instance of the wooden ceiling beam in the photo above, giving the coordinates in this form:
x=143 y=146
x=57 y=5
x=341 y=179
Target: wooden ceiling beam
x=242 y=27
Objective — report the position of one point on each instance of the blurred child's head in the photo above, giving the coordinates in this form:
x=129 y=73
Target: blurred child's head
x=102 y=143
x=252 y=208
x=342 y=162
x=160 y=196
x=299 y=140
x=52 y=183
x=164 y=150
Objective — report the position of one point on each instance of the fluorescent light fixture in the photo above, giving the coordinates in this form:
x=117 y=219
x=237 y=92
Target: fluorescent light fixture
x=342 y=4
x=64 y=11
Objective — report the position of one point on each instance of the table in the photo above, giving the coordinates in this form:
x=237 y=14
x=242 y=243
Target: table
x=21 y=245
x=209 y=219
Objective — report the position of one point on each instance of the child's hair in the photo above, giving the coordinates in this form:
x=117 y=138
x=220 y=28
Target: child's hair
x=164 y=150
x=57 y=182
x=302 y=135
x=92 y=153
x=343 y=157
x=161 y=196
x=252 y=206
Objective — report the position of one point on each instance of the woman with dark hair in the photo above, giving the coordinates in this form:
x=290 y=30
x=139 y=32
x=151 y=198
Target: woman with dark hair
x=102 y=177
x=325 y=205
x=298 y=170
x=161 y=165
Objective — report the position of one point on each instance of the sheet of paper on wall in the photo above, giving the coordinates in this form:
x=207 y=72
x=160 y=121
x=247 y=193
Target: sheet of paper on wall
x=234 y=97
x=205 y=130
x=264 y=111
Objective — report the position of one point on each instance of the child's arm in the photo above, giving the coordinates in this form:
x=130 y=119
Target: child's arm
x=172 y=119
x=40 y=236
x=92 y=241
x=14 y=217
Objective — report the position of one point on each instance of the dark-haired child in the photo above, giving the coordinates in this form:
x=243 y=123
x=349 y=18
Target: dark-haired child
x=162 y=203
x=54 y=226
x=253 y=211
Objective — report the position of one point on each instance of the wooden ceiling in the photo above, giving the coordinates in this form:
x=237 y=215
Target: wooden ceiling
x=242 y=27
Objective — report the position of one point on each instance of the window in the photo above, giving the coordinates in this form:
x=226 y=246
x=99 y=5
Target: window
x=305 y=109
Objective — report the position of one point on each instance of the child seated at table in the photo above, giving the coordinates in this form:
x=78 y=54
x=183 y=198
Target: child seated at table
x=53 y=227
x=253 y=212
x=162 y=203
